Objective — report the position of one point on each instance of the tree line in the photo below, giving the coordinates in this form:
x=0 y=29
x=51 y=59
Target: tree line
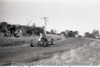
x=93 y=34
x=19 y=30
x=10 y=30
x=70 y=33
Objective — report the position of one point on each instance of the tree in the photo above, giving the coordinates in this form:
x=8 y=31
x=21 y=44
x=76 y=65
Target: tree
x=3 y=26
x=95 y=34
x=70 y=34
x=87 y=35
x=75 y=33
x=66 y=32
x=35 y=31
x=52 y=31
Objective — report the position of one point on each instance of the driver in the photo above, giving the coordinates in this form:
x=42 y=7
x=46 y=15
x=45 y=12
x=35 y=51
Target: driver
x=41 y=36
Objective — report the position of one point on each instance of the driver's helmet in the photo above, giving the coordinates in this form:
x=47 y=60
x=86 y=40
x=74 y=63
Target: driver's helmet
x=41 y=35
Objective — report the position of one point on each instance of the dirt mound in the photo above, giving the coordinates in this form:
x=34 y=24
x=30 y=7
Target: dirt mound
x=88 y=54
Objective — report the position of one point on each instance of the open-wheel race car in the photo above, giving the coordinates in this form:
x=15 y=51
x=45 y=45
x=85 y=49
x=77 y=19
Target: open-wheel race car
x=44 y=41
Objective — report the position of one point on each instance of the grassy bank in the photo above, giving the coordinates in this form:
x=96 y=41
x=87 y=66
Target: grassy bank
x=12 y=41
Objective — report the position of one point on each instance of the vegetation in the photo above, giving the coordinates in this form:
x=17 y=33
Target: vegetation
x=94 y=34
x=22 y=31
x=70 y=33
x=52 y=31
x=11 y=42
x=18 y=35
x=19 y=30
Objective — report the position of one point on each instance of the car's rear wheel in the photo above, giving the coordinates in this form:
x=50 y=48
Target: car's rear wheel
x=52 y=41
x=44 y=42
x=32 y=43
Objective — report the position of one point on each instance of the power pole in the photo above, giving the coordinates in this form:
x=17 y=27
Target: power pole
x=45 y=21
x=28 y=23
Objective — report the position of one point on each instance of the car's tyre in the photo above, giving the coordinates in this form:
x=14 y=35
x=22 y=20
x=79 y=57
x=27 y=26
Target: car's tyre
x=40 y=44
x=52 y=41
x=45 y=43
x=32 y=43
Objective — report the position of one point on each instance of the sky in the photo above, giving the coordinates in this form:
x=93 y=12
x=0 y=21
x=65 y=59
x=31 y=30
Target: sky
x=80 y=15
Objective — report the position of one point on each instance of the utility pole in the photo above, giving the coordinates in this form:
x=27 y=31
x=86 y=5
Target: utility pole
x=28 y=23
x=45 y=21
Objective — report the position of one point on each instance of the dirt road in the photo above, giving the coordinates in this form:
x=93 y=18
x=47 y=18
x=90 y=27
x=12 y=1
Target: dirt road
x=21 y=54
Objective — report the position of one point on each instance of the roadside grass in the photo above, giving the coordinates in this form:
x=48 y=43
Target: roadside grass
x=1 y=34
x=20 y=41
x=12 y=41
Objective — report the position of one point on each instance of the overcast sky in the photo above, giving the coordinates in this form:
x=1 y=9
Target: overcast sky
x=81 y=15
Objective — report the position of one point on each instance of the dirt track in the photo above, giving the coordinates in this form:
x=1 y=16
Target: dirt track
x=29 y=54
